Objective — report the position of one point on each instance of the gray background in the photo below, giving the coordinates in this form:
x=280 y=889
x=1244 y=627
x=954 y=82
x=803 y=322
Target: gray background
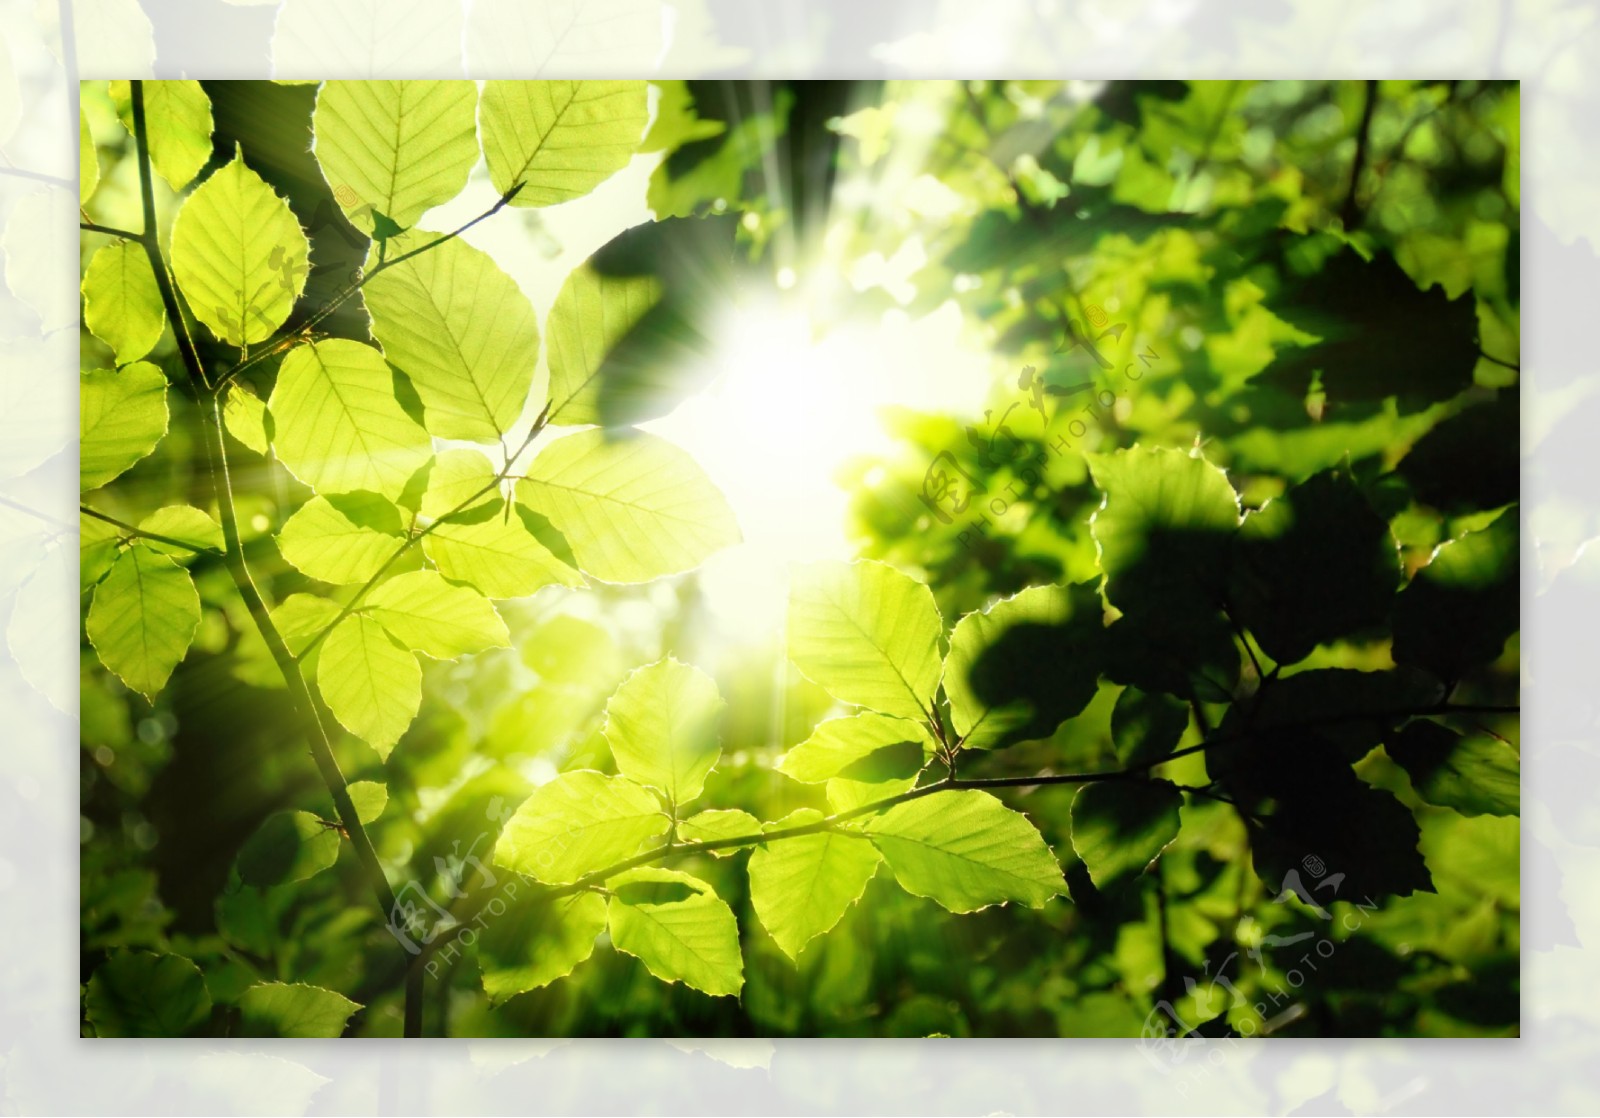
x=1552 y=45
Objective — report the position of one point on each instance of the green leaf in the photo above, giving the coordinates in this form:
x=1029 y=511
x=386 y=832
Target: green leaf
x=536 y=941
x=718 y=824
x=299 y=617
x=371 y=684
x=1020 y=668
x=121 y=303
x=851 y=743
x=121 y=417
x=1475 y=774
x=495 y=552
x=592 y=315
x=337 y=424
x=694 y=940
x=239 y=255
x=431 y=616
x=632 y=506
x=1311 y=566
x=185 y=523
x=1145 y=727
x=178 y=119
x=245 y=416
x=395 y=147
x=370 y=797
x=458 y=482
x=342 y=539
x=1459 y=610
x=662 y=728
x=99 y=544
x=800 y=887
x=143 y=616
x=579 y=822
x=88 y=160
x=1379 y=335
x=288 y=846
x=1163 y=532
x=293 y=1010
x=867 y=635
x=560 y=139
x=137 y=993
x=1471 y=461
x=1120 y=827
x=966 y=850
x=461 y=330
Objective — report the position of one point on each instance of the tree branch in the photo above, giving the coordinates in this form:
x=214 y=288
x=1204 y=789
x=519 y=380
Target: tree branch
x=1350 y=214
x=304 y=703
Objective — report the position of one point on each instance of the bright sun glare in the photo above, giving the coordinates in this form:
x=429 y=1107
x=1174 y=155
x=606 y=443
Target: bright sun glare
x=794 y=400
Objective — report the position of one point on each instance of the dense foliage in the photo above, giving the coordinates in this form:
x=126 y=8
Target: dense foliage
x=1177 y=693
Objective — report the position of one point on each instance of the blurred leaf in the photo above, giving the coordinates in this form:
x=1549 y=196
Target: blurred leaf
x=288 y=846
x=1146 y=727
x=1471 y=461
x=137 y=993
x=1459 y=610
x=538 y=940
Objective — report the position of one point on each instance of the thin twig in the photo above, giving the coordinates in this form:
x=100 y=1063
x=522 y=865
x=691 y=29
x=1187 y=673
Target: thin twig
x=110 y=231
x=1350 y=213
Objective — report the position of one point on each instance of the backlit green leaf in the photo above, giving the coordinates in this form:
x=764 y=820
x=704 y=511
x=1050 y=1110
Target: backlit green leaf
x=337 y=424
x=496 y=553
x=122 y=415
x=1146 y=726
x=370 y=797
x=178 y=119
x=293 y=1010
x=436 y=618
x=718 y=824
x=579 y=822
x=121 y=304
x=694 y=940
x=395 y=147
x=1458 y=611
x=1120 y=827
x=138 y=993
x=245 y=416
x=239 y=255
x=593 y=313
x=461 y=330
x=186 y=524
x=662 y=728
x=866 y=634
x=800 y=887
x=844 y=744
x=143 y=616
x=632 y=506
x=341 y=539
x=371 y=684
x=459 y=480
x=966 y=850
x=560 y=139
x=538 y=940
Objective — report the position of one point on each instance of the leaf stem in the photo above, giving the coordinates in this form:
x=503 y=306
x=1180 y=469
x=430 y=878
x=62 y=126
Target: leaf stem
x=304 y=703
x=110 y=231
